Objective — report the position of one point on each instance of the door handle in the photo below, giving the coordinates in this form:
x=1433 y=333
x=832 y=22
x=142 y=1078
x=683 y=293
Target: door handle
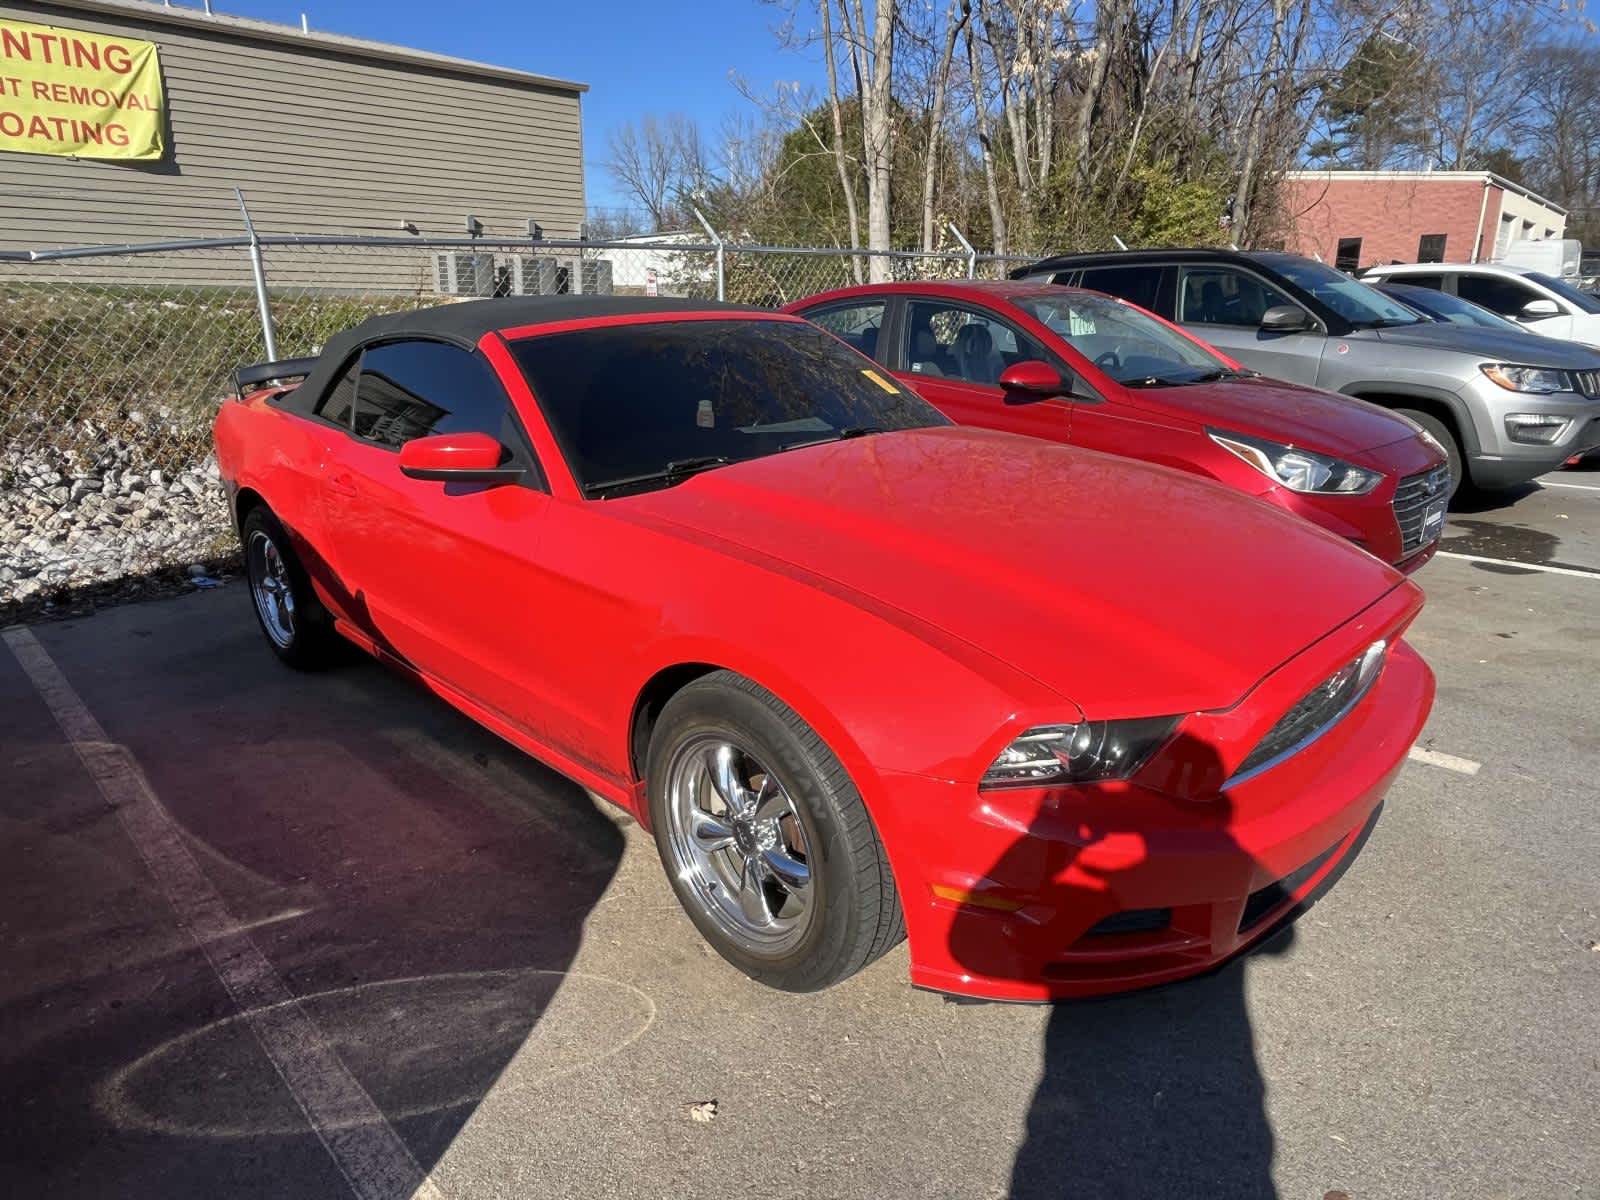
x=343 y=484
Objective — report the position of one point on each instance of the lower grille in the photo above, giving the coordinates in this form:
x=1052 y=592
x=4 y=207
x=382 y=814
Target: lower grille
x=1133 y=920
x=1411 y=502
x=1263 y=901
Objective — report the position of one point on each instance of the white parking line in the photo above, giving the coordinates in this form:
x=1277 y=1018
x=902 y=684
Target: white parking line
x=1523 y=566
x=354 y=1131
x=1436 y=758
x=1577 y=487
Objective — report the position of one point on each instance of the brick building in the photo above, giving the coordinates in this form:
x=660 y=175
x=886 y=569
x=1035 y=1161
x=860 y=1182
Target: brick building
x=1359 y=219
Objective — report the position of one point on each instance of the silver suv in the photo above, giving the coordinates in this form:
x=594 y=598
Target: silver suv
x=1505 y=406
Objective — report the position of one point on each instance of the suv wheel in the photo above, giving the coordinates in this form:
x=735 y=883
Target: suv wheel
x=1446 y=437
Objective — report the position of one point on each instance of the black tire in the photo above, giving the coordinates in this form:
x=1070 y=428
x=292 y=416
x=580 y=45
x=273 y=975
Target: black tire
x=852 y=906
x=309 y=642
x=1446 y=437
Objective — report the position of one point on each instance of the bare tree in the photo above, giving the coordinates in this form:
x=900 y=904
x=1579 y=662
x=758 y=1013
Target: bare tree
x=868 y=48
x=644 y=162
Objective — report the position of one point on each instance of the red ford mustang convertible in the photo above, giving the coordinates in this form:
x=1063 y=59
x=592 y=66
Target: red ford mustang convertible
x=1069 y=723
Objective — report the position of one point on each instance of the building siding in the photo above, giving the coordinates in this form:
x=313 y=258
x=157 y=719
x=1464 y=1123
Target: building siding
x=321 y=139
x=1392 y=214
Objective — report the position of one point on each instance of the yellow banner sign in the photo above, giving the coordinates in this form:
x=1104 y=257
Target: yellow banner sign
x=84 y=95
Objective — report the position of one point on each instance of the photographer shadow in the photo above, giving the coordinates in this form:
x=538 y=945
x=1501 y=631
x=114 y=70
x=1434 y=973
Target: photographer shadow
x=1152 y=1093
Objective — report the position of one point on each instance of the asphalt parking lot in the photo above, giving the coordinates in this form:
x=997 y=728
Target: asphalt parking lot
x=265 y=934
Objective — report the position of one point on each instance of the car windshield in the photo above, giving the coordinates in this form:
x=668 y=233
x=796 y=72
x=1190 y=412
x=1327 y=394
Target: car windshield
x=1362 y=306
x=1582 y=301
x=1442 y=306
x=1129 y=345
x=636 y=407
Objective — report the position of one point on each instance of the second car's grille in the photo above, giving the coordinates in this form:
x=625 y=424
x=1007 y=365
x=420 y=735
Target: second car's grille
x=1315 y=713
x=1411 y=502
x=1587 y=382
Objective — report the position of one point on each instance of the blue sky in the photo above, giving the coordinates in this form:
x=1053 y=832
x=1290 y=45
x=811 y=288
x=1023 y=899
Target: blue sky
x=637 y=56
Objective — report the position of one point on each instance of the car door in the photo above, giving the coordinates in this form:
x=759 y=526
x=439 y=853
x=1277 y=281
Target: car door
x=1508 y=296
x=953 y=352
x=443 y=575
x=1223 y=304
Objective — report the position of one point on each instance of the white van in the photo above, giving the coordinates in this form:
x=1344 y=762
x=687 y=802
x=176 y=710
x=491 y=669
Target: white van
x=1561 y=257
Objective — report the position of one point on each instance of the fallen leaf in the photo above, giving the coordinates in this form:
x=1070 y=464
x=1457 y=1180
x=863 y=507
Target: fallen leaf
x=703 y=1111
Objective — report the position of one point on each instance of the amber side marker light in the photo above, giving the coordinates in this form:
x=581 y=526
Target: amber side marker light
x=974 y=899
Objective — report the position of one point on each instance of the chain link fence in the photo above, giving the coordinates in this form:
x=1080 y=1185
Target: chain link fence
x=113 y=361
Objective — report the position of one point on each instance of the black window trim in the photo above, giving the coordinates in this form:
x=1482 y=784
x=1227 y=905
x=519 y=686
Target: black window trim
x=309 y=411
x=902 y=335
x=884 y=326
x=535 y=477
x=1319 y=324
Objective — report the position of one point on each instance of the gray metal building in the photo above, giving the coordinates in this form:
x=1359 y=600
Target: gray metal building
x=326 y=134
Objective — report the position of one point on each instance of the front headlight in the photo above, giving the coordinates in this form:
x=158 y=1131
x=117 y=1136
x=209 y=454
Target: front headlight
x=1540 y=380
x=1298 y=470
x=1088 y=752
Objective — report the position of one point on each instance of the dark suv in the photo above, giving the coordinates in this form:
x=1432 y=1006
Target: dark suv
x=1506 y=407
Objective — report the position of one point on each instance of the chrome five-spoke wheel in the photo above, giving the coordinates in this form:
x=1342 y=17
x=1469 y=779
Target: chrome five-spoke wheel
x=271 y=588
x=739 y=844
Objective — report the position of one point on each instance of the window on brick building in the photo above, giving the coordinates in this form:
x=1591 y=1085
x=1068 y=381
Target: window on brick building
x=1430 y=247
x=1348 y=255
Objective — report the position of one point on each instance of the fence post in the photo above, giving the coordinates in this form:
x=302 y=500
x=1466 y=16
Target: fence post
x=269 y=332
x=972 y=255
x=716 y=238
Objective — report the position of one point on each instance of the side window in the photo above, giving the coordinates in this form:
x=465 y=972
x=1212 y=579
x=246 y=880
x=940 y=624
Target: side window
x=1224 y=296
x=1436 y=282
x=857 y=324
x=415 y=389
x=1497 y=294
x=339 y=401
x=957 y=343
x=1136 y=285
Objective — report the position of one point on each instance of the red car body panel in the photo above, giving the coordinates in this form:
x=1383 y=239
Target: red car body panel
x=919 y=598
x=1167 y=425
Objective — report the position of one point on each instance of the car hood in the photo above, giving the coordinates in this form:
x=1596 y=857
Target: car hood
x=1489 y=345
x=1284 y=412
x=1128 y=588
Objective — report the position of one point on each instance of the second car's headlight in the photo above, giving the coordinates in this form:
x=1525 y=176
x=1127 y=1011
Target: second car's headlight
x=1297 y=469
x=1087 y=752
x=1539 y=380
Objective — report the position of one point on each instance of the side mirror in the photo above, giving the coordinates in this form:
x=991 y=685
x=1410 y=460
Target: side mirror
x=1285 y=318
x=457 y=458
x=1031 y=381
x=1536 y=310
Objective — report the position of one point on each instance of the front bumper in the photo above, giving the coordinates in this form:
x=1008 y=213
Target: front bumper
x=1044 y=894
x=1500 y=461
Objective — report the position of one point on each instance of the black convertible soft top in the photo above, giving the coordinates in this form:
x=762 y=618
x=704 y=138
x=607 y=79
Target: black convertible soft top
x=463 y=324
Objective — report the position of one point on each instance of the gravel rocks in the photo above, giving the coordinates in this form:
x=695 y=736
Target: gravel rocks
x=80 y=517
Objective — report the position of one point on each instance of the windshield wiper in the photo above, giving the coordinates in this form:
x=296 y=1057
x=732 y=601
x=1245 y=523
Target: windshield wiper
x=675 y=471
x=852 y=431
x=1151 y=381
x=1223 y=373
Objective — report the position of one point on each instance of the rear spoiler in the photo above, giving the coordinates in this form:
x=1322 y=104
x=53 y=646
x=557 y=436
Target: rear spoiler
x=249 y=378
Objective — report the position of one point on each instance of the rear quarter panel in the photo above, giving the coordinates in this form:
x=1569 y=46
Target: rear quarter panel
x=279 y=457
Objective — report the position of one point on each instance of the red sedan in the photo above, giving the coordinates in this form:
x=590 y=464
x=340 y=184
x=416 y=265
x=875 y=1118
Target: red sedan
x=1070 y=723
x=1094 y=371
